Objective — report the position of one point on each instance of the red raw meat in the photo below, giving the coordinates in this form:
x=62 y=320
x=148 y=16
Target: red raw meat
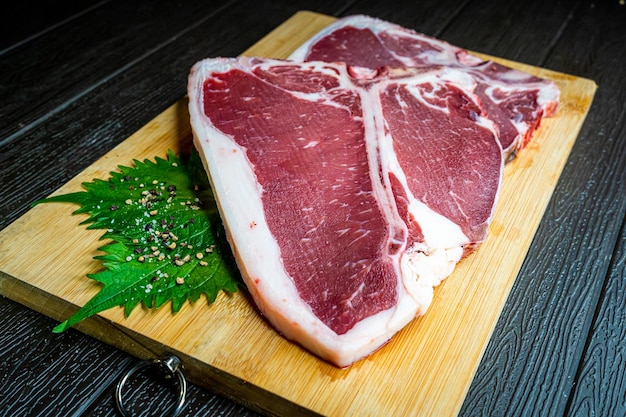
x=347 y=193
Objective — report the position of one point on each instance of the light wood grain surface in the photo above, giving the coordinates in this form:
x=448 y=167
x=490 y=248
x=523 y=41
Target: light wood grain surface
x=426 y=369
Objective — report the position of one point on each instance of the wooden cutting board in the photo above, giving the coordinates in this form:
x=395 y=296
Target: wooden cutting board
x=426 y=369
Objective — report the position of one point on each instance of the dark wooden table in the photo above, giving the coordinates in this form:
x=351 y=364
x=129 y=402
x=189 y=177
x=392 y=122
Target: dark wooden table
x=78 y=77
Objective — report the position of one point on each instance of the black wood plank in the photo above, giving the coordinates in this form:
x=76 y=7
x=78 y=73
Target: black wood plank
x=530 y=366
x=600 y=387
x=428 y=17
x=41 y=373
x=488 y=27
x=24 y=21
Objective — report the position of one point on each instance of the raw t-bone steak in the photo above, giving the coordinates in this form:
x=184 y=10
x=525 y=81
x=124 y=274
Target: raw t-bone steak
x=514 y=100
x=347 y=193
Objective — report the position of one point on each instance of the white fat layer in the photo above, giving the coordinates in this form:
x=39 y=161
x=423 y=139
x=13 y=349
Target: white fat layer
x=428 y=266
x=549 y=97
x=239 y=198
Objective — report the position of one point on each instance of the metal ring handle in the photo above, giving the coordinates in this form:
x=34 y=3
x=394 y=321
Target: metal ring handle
x=170 y=366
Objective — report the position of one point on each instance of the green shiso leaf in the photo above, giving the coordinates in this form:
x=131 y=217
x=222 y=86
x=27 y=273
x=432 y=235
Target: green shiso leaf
x=166 y=237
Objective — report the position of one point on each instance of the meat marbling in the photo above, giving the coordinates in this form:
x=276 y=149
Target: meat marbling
x=514 y=100
x=347 y=193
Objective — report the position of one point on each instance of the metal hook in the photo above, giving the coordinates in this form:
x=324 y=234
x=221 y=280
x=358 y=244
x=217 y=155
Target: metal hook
x=169 y=366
